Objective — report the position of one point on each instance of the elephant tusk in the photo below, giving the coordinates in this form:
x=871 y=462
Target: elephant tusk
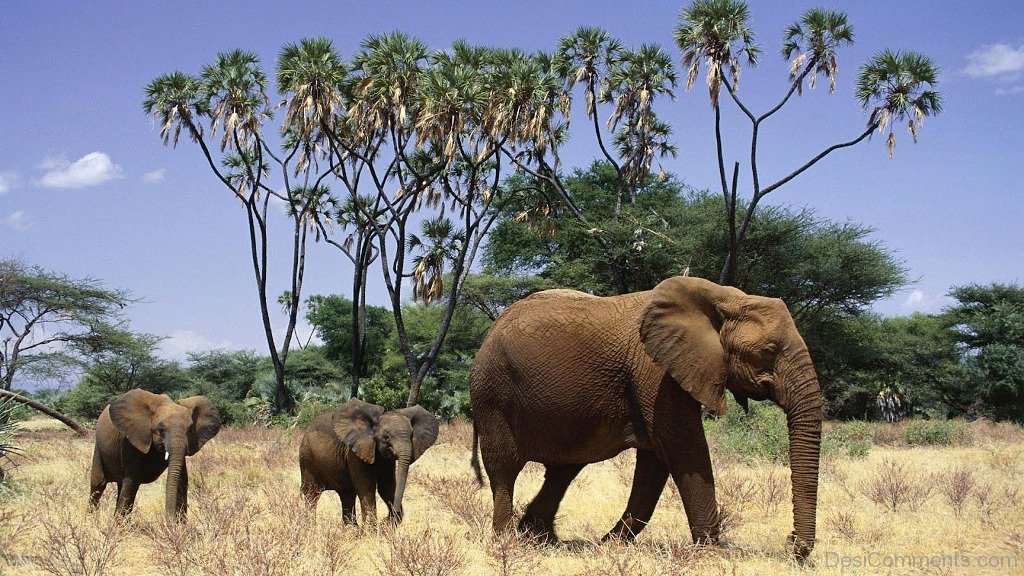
x=167 y=455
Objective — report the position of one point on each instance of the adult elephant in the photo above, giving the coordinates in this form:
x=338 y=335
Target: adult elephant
x=358 y=448
x=141 y=434
x=566 y=379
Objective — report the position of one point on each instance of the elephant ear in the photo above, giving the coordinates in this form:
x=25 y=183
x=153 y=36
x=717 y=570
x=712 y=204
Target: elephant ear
x=681 y=331
x=132 y=415
x=424 y=429
x=206 y=422
x=353 y=423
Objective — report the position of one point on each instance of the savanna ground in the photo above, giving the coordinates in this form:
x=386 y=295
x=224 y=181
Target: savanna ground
x=951 y=509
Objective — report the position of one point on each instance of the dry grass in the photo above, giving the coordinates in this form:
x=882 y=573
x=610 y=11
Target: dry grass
x=246 y=516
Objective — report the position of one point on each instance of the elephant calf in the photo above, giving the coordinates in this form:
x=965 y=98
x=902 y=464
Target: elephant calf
x=141 y=434
x=358 y=448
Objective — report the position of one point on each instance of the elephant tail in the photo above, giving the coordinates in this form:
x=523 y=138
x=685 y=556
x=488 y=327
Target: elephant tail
x=475 y=460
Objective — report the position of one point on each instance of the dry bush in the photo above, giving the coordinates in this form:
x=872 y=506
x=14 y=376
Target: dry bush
x=1003 y=458
x=70 y=546
x=679 y=558
x=424 y=552
x=894 y=486
x=987 y=501
x=774 y=489
x=729 y=521
x=614 y=559
x=625 y=465
x=956 y=485
x=513 y=553
x=458 y=432
x=842 y=523
x=735 y=487
x=460 y=494
x=174 y=548
x=13 y=528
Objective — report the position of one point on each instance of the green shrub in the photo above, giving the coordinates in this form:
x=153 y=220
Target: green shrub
x=937 y=433
x=384 y=392
x=757 y=436
x=307 y=410
x=851 y=438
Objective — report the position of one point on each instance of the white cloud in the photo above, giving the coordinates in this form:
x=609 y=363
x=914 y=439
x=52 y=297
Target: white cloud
x=8 y=179
x=919 y=301
x=179 y=343
x=155 y=176
x=89 y=170
x=18 y=221
x=999 y=61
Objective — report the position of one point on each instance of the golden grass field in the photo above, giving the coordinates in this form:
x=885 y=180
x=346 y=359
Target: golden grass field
x=959 y=510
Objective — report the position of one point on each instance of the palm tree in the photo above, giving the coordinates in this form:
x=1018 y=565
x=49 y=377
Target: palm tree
x=897 y=87
x=439 y=244
x=813 y=40
x=235 y=98
x=643 y=75
x=172 y=100
x=312 y=78
x=717 y=32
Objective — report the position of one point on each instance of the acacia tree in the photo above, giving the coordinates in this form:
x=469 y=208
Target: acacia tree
x=892 y=87
x=51 y=324
x=231 y=95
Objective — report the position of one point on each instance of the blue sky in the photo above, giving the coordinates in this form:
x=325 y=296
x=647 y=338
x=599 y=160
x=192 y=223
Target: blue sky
x=87 y=189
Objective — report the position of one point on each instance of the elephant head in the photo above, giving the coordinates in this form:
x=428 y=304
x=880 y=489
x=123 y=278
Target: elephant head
x=710 y=338
x=400 y=435
x=152 y=422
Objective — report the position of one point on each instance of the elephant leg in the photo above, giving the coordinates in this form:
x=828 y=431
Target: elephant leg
x=311 y=491
x=691 y=470
x=539 y=517
x=348 y=505
x=97 y=482
x=386 y=489
x=126 y=492
x=649 y=478
x=503 y=465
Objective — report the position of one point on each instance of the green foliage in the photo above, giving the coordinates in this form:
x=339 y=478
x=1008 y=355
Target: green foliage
x=307 y=410
x=988 y=324
x=227 y=374
x=937 y=433
x=854 y=439
x=8 y=429
x=51 y=323
x=308 y=368
x=331 y=317
x=384 y=392
x=757 y=436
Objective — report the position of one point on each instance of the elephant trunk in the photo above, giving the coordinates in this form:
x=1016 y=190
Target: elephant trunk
x=401 y=477
x=802 y=402
x=176 y=498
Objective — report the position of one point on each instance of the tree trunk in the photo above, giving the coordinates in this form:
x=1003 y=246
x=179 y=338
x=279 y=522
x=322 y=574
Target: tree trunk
x=45 y=410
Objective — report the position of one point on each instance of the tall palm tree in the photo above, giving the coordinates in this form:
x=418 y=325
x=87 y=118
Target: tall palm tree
x=235 y=98
x=813 y=40
x=897 y=87
x=172 y=100
x=718 y=33
x=644 y=75
x=312 y=78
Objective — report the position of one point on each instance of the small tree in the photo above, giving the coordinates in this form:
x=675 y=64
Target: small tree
x=988 y=323
x=51 y=323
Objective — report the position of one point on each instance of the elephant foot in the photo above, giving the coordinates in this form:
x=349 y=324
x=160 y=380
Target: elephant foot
x=797 y=548
x=625 y=530
x=538 y=532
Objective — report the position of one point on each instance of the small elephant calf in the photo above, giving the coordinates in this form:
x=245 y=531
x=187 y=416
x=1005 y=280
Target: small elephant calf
x=141 y=434
x=358 y=448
